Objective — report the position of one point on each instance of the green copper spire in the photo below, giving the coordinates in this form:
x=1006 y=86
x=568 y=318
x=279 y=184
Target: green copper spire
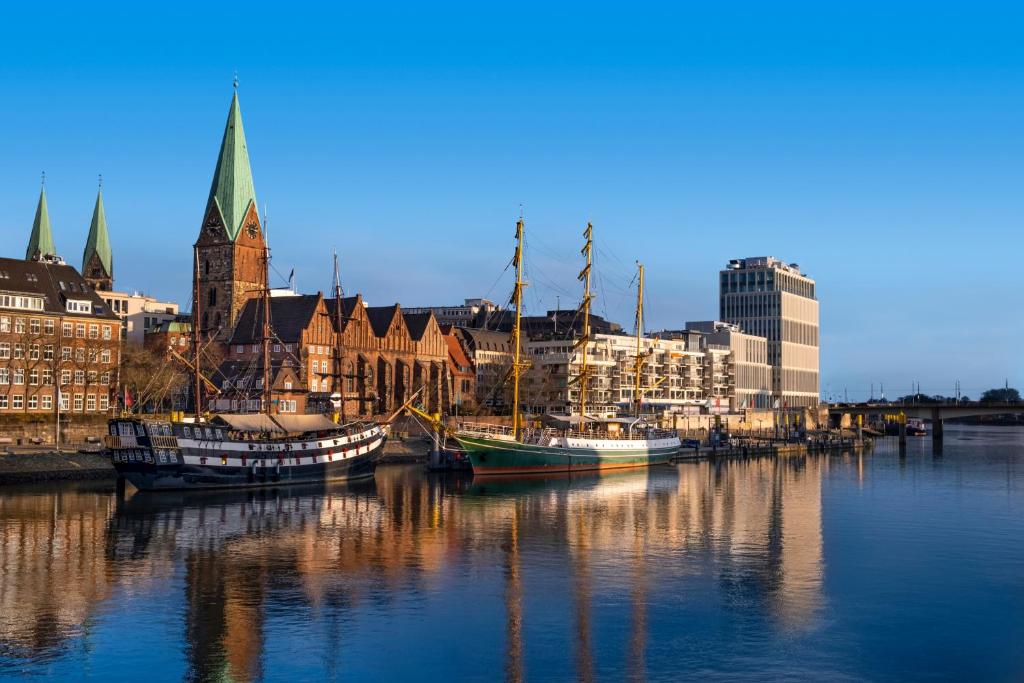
x=41 y=241
x=98 y=244
x=232 y=187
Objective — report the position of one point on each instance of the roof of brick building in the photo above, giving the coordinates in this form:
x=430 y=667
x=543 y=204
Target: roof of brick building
x=54 y=282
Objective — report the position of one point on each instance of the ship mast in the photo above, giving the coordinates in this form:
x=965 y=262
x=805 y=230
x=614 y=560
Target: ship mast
x=337 y=337
x=267 y=393
x=584 y=340
x=639 y=368
x=517 y=299
x=197 y=386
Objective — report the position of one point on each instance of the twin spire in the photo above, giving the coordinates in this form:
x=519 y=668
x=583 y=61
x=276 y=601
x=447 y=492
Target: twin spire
x=97 y=245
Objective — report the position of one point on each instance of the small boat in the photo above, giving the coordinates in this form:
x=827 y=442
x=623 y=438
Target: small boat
x=503 y=450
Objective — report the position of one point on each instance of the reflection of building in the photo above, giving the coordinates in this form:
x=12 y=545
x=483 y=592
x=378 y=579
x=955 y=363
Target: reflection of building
x=771 y=299
x=55 y=571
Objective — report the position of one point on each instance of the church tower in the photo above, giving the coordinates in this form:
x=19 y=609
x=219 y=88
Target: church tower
x=230 y=248
x=40 y=243
x=98 y=260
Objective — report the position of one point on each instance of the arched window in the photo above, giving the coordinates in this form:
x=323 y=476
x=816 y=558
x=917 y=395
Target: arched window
x=212 y=298
x=206 y=267
x=350 y=377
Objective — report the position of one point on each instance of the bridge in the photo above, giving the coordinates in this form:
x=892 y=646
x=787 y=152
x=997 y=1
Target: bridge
x=934 y=412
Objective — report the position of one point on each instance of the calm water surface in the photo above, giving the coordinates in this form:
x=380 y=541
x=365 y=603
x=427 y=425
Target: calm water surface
x=824 y=568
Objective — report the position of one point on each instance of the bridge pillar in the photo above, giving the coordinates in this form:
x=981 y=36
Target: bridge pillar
x=936 y=425
x=903 y=431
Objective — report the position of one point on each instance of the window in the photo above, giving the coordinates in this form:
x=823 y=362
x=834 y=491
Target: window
x=106 y=332
x=33 y=402
x=5 y=350
x=66 y=329
x=33 y=377
x=19 y=351
x=93 y=355
x=90 y=402
x=5 y=376
x=5 y=324
x=65 y=402
x=78 y=403
x=65 y=377
x=211 y=300
x=277 y=348
x=104 y=402
x=34 y=325
x=19 y=325
x=46 y=402
x=105 y=378
x=80 y=330
x=48 y=326
x=314 y=385
x=33 y=351
x=47 y=376
x=105 y=356
x=3 y=402
x=287 y=385
x=65 y=353
x=17 y=401
x=78 y=306
x=19 y=376
x=94 y=331
x=239 y=349
x=79 y=376
x=48 y=352
x=92 y=377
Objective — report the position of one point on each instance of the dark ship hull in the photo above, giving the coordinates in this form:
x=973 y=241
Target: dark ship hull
x=155 y=456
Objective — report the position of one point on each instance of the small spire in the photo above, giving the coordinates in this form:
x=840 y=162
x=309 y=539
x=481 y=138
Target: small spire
x=44 y=179
x=101 y=182
x=235 y=83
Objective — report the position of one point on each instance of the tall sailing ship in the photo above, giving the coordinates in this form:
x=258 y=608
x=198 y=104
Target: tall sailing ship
x=233 y=450
x=588 y=445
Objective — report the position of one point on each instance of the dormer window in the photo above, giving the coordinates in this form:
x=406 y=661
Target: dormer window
x=79 y=306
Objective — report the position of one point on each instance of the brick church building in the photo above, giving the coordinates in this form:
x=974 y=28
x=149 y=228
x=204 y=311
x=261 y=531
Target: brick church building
x=374 y=357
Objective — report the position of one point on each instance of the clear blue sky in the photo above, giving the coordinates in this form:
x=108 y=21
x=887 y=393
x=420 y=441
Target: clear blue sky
x=880 y=146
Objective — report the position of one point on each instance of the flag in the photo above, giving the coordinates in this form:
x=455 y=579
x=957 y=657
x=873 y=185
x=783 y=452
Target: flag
x=291 y=280
x=128 y=401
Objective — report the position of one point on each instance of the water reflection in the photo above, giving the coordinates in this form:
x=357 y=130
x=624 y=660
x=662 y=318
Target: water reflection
x=247 y=561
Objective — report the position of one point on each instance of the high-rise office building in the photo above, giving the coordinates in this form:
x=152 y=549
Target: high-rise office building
x=772 y=299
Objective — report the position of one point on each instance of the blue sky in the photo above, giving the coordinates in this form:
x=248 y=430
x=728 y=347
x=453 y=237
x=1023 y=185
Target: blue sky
x=879 y=146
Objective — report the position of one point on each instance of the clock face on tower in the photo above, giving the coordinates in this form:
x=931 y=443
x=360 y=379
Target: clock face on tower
x=251 y=230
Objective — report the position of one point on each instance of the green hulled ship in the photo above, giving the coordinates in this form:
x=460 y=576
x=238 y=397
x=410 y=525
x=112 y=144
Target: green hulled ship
x=515 y=450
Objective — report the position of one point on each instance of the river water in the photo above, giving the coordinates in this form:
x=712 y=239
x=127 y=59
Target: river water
x=878 y=567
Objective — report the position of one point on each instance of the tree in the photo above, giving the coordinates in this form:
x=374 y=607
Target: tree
x=151 y=379
x=1001 y=395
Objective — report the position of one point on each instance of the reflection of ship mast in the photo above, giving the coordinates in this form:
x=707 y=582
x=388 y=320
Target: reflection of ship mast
x=638 y=638
x=513 y=602
x=581 y=596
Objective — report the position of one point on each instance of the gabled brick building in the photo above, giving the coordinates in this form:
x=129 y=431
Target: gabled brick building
x=374 y=357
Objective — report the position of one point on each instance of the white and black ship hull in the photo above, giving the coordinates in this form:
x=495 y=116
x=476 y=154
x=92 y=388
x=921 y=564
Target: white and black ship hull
x=163 y=457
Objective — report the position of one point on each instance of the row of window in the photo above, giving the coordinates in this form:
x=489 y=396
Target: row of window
x=35 y=377
x=35 y=351
x=35 y=326
x=77 y=402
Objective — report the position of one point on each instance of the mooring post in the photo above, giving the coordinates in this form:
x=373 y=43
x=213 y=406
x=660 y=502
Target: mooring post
x=903 y=429
x=936 y=425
